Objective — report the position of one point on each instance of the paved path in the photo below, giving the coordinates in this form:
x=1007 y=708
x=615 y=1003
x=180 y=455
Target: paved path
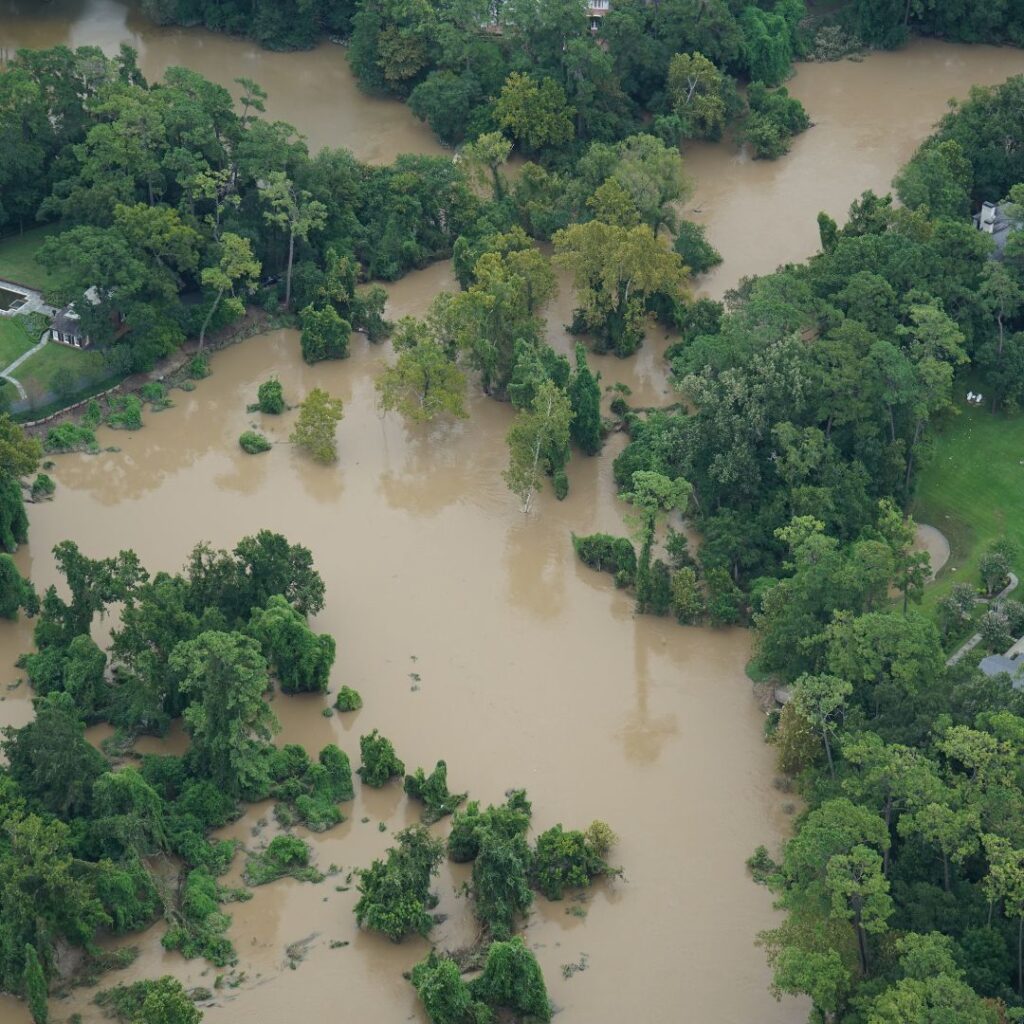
x=6 y=373
x=995 y=603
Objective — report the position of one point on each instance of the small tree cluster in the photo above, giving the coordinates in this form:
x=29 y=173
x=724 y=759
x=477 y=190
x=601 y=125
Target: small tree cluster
x=380 y=763
x=285 y=856
x=432 y=791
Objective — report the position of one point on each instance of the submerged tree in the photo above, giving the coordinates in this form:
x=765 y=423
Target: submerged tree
x=538 y=442
x=315 y=428
x=423 y=384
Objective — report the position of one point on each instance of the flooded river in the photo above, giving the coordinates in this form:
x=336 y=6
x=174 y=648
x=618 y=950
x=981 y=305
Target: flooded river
x=532 y=670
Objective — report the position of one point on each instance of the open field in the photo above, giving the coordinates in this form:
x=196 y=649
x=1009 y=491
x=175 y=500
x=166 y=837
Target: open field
x=36 y=374
x=17 y=258
x=973 y=491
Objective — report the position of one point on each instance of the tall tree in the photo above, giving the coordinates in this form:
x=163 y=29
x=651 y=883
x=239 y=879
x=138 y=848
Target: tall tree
x=236 y=267
x=316 y=427
x=538 y=442
x=296 y=212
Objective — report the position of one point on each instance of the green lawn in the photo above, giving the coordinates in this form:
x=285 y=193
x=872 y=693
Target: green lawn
x=17 y=261
x=14 y=339
x=36 y=374
x=973 y=491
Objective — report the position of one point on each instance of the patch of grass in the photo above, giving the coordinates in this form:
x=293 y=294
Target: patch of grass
x=36 y=374
x=17 y=258
x=14 y=339
x=973 y=491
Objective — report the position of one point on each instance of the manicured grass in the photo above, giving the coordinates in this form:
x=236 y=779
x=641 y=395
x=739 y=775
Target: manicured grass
x=17 y=262
x=14 y=339
x=973 y=491
x=36 y=374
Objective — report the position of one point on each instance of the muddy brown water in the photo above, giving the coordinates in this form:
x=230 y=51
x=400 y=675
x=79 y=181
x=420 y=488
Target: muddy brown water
x=532 y=670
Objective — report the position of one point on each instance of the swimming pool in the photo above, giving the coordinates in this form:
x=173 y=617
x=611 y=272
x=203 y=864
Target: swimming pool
x=10 y=301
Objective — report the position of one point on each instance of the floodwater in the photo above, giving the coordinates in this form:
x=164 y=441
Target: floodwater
x=315 y=91
x=471 y=630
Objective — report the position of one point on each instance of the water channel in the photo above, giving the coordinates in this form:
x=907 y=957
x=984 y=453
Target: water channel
x=532 y=670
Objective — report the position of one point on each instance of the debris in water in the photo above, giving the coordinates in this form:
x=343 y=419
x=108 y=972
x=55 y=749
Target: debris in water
x=568 y=970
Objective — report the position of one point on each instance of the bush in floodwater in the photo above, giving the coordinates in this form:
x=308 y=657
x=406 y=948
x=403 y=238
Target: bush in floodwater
x=285 y=855
x=202 y=924
x=125 y=413
x=70 y=437
x=608 y=554
x=270 y=397
x=348 y=699
x=565 y=860
x=155 y=393
x=253 y=442
x=513 y=980
x=395 y=893
x=560 y=483
x=43 y=487
x=445 y=996
x=310 y=793
x=508 y=820
x=432 y=790
x=162 y=1000
x=380 y=763
x=501 y=882
x=198 y=367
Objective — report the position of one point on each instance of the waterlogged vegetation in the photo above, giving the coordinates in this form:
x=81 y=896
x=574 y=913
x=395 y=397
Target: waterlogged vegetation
x=816 y=406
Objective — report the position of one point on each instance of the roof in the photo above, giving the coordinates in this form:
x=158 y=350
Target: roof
x=997 y=664
x=68 y=322
x=995 y=221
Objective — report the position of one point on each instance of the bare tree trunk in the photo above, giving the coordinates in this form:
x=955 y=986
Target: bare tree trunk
x=209 y=317
x=288 y=278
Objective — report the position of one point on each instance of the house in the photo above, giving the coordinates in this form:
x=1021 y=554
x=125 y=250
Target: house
x=994 y=220
x=596 y=10
x=67 y=324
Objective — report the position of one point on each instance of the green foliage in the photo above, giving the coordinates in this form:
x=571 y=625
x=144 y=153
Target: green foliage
x=563 y=860
x=774 y=118
x=270 y=397
x=324 y=334
x=198 y=368
x=43 y=487
x=163 y=1001
x=501 y=880
x=380 y=763
x=512 y=980
x=311 y=792
x=125 y=413
x=696 y=252
x=300 y=658
x=445 y=996
x=197 y=928
x=15 y=591
x=538 y=442
x=605 y=553
x=585 y=400
x=319 y=415
x=509 y=821
x=432 y=791
x=348 y=700
x=70 y=437
x=687 y=600
x=286 y=856
x=253 y=442
x=395 y=893
x=36 y=990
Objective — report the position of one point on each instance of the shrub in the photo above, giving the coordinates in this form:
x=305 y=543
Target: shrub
x=69 y=437
x=995 y=631
x=125 y=413
x=501 y=887
x=163 y=1001
x=200 y=925
x=508 y=820
x=36 y=990
x=775 y=117
x=696 y=251
x=43 y=487
x=395 y=893
x=1014 y=612
x=608 y=554
x=270 y=397
x=432 y=790
x=253 y=442
x=93 y=415
x=513 y=980
x=285 y=855
x=348 y=699
x=560 y=484
x=798 y=746
x=155 y=393
x=445 y=996
x=563 y=860
x=380 y=764
x=310 y=792
x=601 y=837
x=761 y=865
x=197 y=368
x=994 y=568
x=687 y=599
x=324 y=334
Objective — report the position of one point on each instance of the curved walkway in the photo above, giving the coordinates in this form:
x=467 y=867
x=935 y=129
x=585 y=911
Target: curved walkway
x=995 y=603
x=7 y=371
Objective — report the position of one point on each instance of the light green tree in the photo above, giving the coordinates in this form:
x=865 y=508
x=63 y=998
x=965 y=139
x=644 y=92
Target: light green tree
x=484 y=157
x=236 y=267
x=537 y=439
x=423 y=384
x=859 y=893
x=534 y=112
x=821 y=699
x=697 y=91
x=319 y=416
x=293 y=210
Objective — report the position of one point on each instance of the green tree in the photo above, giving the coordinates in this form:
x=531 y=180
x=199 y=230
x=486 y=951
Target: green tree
x=15 y=591
x=1005 y=883
x=938 y=180
x=380 y=762
x=484 y=157
x=533 y=112
x=224 y=676
x=319 y=415
x=296 y=212
x=36 y=989
x=512 y=979
x=859 y=894
x=423 y=384
x=585 y=400
x=300 y=658
x=538 y=442
x=19 y=456
x=698 y=92
x=324 y=334
x=615 y=271
x=445 y=996
x=270 y=397
x=236 y=267
x=652 y=176
x=822 y=700
x=653 y=497
x=501 y=887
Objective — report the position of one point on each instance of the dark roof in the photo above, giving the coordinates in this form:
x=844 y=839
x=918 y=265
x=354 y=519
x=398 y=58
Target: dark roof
x=68 y=323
